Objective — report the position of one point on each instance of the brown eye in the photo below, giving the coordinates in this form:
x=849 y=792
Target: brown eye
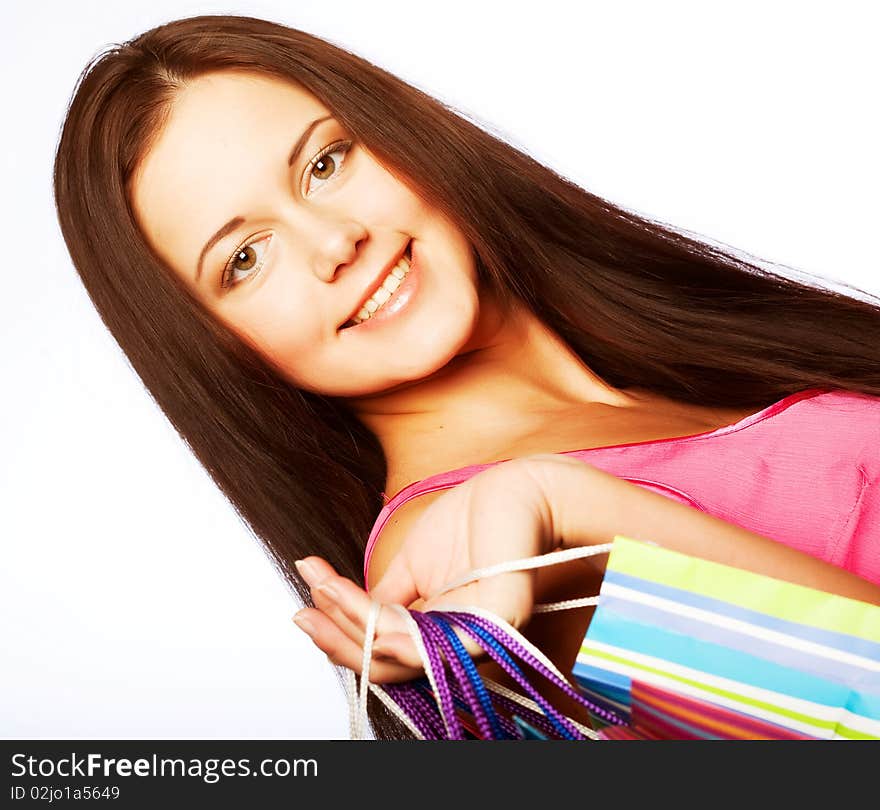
x=244 y=260
x=325 y=166
x=247 y=256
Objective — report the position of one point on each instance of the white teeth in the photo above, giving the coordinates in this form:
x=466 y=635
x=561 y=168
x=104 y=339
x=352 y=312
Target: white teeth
x=391 y=282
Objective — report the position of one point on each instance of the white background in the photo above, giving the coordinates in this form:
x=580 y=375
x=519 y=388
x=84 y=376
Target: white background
x=135 y=604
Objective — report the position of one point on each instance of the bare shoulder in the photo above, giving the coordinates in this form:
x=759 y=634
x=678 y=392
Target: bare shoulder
x=395 y=531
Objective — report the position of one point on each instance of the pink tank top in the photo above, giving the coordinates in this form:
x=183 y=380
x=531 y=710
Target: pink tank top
x=802 y=471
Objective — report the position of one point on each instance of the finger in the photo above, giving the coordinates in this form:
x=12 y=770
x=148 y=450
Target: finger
x=397 y=584
x=314 y=570
x=349 y=606
x=325 y=597
x=342 y=651
x=473 y=648
x=400 y=647
x=320 y=576
x=505 y=596
x=509 y=595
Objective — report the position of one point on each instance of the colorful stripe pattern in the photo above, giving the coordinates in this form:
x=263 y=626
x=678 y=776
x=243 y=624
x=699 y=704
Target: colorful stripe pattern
x=692 y=649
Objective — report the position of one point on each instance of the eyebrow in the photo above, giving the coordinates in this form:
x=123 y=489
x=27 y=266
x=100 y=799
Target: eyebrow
x=238 y=220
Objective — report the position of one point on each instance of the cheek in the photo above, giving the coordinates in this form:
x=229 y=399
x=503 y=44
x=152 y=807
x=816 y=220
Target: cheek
x=283 y=328
x=385 y=199
x=287 y=331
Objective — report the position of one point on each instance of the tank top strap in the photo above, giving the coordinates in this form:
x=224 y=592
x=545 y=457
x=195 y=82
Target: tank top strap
x=620 y=466
x=432 y=483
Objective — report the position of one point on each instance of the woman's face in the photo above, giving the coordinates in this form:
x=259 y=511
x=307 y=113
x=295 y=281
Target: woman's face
x=285 y=252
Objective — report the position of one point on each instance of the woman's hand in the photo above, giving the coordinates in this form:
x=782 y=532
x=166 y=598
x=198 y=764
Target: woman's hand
x=500 y=514
x=523 y=508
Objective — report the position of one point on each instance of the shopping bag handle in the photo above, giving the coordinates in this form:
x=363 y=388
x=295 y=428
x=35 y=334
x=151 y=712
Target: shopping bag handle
x=526 y=563
x=357 y=698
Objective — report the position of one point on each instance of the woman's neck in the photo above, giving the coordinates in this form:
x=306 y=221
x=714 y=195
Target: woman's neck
x=512 y=377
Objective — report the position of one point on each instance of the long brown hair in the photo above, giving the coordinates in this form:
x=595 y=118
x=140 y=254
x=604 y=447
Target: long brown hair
x=642 y=304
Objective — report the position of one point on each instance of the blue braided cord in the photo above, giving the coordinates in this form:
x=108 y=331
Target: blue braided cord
x=536 y=718
x=508 y=727
x=473 y=676
x=516 y=648
x=458 y=676
x=435 y=657
x=424 y=686
x=551 y=713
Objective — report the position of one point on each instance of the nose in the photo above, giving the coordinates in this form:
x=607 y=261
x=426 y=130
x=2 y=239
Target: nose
x=336 y=248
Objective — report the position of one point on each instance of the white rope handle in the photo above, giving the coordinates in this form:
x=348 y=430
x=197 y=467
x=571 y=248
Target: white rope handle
x=369 y=634
x=567 y=604
x=416 y=636
x=540 y=561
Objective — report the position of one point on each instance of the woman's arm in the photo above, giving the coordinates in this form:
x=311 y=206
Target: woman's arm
x=589 y=506
x=523 y=508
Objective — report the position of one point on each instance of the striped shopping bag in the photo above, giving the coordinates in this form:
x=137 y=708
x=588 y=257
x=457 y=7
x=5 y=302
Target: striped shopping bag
x=691 y=649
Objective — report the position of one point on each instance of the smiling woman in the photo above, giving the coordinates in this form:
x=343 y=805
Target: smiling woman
x=315 y=237
x=334 y=285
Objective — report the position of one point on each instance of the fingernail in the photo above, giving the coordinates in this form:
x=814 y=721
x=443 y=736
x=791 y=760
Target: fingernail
x=306 y=570
x=304 y=624
x=328 y=590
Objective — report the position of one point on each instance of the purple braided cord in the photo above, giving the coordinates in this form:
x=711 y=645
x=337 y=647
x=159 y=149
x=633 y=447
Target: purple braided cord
x=461 y=676
x=426 y=628
x=536 y=718
x=420 y=710
x=424 y=714
x=458 y=619
x=516 y=647
x=508 y=726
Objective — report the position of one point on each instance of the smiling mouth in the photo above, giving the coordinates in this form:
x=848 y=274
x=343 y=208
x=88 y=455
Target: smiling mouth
x=385 y=290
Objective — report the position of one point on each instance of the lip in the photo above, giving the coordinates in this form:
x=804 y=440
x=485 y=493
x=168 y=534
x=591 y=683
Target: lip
x=400 y=300
x=376 y=283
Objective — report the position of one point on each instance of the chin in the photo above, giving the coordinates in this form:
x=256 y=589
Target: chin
x=438 y=348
